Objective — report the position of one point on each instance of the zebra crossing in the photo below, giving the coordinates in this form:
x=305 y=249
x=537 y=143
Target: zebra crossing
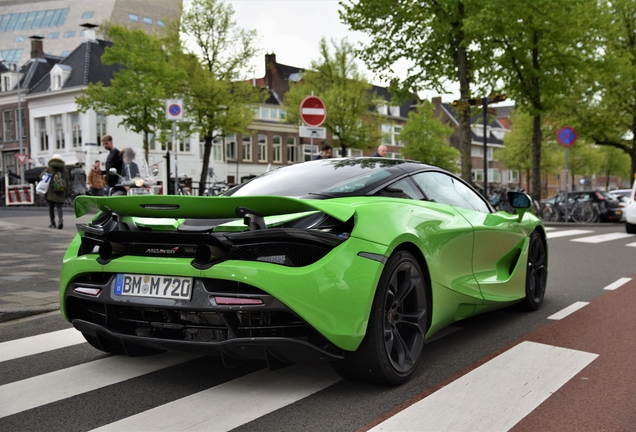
x=588 y=236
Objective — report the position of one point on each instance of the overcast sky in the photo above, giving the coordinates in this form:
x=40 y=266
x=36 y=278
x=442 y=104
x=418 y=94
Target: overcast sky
x=292 y=30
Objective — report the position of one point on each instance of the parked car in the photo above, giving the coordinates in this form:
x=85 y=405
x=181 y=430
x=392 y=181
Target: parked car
x=356 y=261
x=630 y=212
x=608 y=205
x=622 y=201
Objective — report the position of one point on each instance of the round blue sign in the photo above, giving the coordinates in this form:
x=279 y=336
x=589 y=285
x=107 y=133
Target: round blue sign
x=174 y=110
x=566 y=136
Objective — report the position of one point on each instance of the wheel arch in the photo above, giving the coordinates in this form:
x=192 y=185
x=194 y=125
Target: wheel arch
x=421 y=260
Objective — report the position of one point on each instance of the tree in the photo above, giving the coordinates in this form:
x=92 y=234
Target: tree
x=433 y=38
x=427 y=139
x=217 y=100
x=517 y=151
x=603 y=103
x=137 y=92
x=541 y=46
x=613 y=161
x=348 y=97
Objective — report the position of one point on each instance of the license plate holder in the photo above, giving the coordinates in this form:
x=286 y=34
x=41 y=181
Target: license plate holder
x=153 y=286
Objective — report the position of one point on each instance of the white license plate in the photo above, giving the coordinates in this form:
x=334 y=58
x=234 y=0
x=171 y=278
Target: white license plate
x=153 y=286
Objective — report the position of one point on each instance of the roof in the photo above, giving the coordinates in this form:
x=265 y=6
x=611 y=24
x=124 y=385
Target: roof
x=477 y=119
x=86 y=67
x=406 y=105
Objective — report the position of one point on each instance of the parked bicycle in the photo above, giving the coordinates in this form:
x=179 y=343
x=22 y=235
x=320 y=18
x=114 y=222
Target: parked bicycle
x=577 y=211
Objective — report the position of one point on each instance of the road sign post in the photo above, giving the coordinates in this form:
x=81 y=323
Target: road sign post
x=313 y=113
x=174 y=112
x=566 y=136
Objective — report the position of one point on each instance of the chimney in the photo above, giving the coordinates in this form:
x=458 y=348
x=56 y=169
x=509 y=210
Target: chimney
x=37 y=47
x=89 y=32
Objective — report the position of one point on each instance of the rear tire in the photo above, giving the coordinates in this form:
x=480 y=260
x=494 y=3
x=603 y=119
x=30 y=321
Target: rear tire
x=537 y=273
x=392 y=346
x=630 y=228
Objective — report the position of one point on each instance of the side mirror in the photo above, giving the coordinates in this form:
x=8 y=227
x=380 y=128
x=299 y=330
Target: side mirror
x=113 y=171
x=520 y=201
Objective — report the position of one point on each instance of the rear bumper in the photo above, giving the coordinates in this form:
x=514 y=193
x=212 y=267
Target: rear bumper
x=233 y=352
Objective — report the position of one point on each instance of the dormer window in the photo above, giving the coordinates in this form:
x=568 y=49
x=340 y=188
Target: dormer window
x=59 y=75
x=6 y=82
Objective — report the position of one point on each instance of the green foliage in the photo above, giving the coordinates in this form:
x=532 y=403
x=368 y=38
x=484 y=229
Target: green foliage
x=347 y=95
x=427 y=139
x=540 y=48
x=139 y=89
x=433 y=39
x=217 y=102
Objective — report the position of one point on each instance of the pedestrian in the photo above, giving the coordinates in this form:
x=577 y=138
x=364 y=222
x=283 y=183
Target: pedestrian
x=112 y=161
x=129 y=167
x=59 y=188
x=78 y=180
x=381 y=151
x=96 y=179
x=326 y=152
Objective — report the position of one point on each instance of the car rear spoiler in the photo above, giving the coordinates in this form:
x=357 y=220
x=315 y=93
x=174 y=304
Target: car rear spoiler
x=198 y=207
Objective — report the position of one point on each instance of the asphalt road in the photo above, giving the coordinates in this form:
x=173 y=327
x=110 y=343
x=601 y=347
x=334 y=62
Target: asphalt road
x=546 y=370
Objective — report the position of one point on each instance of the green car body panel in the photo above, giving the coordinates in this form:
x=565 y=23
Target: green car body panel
x=333 y=295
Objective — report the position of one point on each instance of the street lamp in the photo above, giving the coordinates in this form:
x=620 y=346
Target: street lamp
x=14 y=67
x=484 y=102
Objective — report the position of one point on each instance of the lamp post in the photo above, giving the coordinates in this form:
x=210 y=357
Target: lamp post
x=484 y=102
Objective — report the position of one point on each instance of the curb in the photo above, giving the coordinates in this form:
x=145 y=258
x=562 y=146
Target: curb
x=10 y=314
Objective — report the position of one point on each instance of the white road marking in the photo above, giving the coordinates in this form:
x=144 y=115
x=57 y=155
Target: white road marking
x=631 y=244
x=616 y=284
x=233 y=403
x=602 y=238
x=496 y=395
x=33 y=392
x=38 y=344
x=566 y=233
x=568 y=310
x=549 y=228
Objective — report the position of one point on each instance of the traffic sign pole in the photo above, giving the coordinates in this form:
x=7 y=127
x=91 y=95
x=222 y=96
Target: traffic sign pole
x=174 y=112
x=566 y=136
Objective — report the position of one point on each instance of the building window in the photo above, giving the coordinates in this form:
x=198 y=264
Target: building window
x=262 y=148
x=247 y=148
x=277 y=149
x=53 y=35
x=230 y=147
x=387 y=134
x=59 y=131
x=9 y=125
x=100 y=124
x=184 y=144
x=76 y=130
x=6 y=83
x=292 y=151
x=69 y=34
x=57 y=82
x=20 y=123
x=147 y=20
x=19 y=39
x=161 y=23
x=217 y=149
x=133 y=17
x=87 y=15
x=43 y=138
x=310 y=152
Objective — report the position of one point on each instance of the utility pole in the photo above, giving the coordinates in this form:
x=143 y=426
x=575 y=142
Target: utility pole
x=484 y=103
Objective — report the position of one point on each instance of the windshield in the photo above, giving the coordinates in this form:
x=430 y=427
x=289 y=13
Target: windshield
x=325 y=176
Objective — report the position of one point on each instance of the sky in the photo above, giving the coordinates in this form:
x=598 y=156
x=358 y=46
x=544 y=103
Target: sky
x=292 y=29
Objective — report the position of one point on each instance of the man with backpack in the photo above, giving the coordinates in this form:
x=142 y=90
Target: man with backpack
x=58 y=189
x=78 y=180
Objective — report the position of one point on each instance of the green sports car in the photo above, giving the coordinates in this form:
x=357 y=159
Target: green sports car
x=356 y=261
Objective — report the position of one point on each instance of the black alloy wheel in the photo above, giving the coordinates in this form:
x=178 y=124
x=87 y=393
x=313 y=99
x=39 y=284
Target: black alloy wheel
x=537 y=272
x=392 y=346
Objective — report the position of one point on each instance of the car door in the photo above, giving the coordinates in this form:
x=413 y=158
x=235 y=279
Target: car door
x=499 y=243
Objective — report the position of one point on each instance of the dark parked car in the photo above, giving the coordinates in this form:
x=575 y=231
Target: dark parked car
x=609 y=207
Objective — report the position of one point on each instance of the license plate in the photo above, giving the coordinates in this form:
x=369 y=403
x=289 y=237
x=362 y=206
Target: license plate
x=153 y=286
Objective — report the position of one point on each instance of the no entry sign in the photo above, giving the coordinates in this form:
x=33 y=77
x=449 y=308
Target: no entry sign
x=313 y=111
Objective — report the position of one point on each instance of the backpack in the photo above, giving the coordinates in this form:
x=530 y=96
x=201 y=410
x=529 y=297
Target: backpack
x=58 y=182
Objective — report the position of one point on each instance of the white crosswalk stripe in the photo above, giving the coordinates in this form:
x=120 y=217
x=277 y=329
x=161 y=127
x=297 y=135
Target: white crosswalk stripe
x=602 y=238
x=566 y=233
x=40 y=343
